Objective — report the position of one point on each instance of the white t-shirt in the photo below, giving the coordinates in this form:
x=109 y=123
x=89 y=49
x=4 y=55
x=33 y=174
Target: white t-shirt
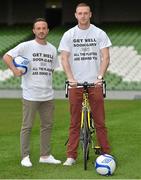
x=37 y=82
x=84 y=47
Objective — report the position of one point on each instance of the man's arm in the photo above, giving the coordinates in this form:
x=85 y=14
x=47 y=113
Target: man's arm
x=104 y=64
x=105 y=61
x=9 y=62
x=66 y=66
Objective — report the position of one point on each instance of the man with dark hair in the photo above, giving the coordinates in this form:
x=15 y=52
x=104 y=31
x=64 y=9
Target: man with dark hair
x=85 y=57
x=38 y=94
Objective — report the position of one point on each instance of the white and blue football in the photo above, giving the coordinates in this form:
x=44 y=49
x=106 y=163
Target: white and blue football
x=21 y=63
x=105 y=165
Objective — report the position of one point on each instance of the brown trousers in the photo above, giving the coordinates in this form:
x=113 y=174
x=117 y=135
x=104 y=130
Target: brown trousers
x=45 y=109
x=96 y=101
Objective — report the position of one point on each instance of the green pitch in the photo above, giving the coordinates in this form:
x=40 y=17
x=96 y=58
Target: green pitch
x=123 y=122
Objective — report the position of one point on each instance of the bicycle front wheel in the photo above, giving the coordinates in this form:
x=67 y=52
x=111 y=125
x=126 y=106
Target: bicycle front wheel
x=86 y=140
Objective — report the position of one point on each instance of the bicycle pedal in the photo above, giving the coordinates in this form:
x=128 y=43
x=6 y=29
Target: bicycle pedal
x=97 y=150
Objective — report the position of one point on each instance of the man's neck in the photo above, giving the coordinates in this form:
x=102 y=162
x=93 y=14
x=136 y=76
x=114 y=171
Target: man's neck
x=41 y=41
x=84 y=26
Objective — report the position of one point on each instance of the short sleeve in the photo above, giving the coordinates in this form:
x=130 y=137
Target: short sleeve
x=65 y=44
x=16 y=51
x=104 y=40
x=55 y=60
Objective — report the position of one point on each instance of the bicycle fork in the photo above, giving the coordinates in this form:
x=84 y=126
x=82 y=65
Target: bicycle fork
x=97 y=148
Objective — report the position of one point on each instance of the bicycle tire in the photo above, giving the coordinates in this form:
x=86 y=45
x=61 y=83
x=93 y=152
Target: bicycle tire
x=86 y=140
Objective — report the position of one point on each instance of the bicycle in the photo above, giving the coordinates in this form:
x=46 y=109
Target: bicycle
x=87 y=129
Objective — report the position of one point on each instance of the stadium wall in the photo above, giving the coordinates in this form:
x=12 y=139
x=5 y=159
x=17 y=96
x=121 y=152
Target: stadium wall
x=105 y=11
x=21 y=12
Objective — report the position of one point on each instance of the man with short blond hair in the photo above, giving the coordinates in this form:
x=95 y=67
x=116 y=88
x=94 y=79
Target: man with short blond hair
x=85 y=57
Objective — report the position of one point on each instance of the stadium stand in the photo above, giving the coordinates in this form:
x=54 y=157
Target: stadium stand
x=11 y=36
x=126 y=62
x=124 y=72
x=125 y=56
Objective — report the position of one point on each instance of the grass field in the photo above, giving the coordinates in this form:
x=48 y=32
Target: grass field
x=123 y=122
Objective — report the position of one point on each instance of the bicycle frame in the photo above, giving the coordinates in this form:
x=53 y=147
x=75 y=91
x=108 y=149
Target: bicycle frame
x=85 y=106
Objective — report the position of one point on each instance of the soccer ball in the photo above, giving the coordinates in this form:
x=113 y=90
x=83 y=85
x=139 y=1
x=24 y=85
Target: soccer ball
x=105 y=165
x=21 y=63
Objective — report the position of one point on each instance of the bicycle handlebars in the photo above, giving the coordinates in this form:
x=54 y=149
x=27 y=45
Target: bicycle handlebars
x=86 y=85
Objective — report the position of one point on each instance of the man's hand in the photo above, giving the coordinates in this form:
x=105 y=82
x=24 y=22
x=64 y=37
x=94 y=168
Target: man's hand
x=72 y=82
x=17 y=72
x=98 y=82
